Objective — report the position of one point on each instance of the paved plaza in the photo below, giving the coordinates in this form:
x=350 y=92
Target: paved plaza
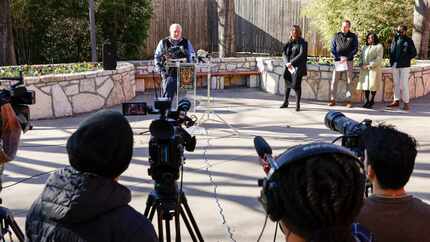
x=220 y=176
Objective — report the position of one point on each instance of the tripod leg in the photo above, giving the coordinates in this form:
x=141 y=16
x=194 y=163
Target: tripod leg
x=188 y=225
x=150 y=202
x=167 y=222
x=160 y=223
x=151 y=214
x=190 y=215
x=15 y=228
x=177 y=225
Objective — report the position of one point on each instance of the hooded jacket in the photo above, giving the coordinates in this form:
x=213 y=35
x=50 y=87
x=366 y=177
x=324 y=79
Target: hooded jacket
x=85 y=207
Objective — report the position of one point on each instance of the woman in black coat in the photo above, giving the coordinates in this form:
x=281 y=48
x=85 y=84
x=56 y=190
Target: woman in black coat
x=295 y=55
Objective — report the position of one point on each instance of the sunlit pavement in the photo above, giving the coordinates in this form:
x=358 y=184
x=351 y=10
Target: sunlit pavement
x=220 y=176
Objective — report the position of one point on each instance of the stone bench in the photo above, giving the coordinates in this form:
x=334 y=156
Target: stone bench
x=218 y=78
x=225 y=72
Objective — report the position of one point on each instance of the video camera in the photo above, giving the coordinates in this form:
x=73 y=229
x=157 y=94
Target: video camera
x=351 y=138
x=167 y=143
x=19 y=98
x=351 y=130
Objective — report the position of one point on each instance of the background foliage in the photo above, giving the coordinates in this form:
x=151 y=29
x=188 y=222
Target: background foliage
x=51 y=31
x=379 y=16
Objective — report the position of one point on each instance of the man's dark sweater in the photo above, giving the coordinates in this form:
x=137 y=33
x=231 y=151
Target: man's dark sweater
x=405 y=219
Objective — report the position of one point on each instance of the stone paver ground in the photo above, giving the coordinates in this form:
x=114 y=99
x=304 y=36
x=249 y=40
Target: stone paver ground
x=220 y=176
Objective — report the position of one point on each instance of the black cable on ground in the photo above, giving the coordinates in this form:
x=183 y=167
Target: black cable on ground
x=27 y=178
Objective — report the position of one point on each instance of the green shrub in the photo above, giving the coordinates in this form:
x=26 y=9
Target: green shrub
x=40 y=70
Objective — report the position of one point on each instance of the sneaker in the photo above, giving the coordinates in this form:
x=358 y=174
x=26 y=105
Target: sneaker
x=332 y=103
x=394 y=104
x=406 y=107
x=349 y=105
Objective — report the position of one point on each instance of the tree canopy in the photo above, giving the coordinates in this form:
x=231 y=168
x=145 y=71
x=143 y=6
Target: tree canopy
x=50 y=31
x=378 y=16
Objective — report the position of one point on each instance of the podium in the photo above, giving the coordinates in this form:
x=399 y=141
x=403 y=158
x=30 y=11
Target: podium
x=186 y=78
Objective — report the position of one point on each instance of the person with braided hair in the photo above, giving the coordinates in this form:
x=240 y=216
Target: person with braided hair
x=321 y=196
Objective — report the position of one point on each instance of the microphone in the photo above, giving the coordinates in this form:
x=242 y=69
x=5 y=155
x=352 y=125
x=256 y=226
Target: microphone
x=262 y=147
x=264 y=151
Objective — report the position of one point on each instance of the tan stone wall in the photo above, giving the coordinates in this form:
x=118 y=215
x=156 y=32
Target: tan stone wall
x=316 y=84
x=63 y=95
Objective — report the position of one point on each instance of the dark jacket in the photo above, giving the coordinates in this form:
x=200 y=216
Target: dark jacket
x=402 y=51
x=344 y=44
x=83 y=207
x=296 y=53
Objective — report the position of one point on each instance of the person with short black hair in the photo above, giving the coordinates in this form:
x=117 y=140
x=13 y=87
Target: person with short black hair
x=402 y=51
x=321 y=197
x=85 y=202
x=371 y=60
x=390 y=212
x=344 y=46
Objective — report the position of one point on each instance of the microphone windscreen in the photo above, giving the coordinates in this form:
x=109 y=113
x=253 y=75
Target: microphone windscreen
x=262 y=147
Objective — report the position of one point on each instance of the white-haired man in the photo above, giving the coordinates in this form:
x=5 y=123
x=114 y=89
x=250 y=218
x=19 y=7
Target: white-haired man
x=176 y=47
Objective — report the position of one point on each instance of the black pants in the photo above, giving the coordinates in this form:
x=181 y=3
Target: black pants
x=298 y=91
x=169 y=86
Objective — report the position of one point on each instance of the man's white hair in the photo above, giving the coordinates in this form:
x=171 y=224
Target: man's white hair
x=175 y=25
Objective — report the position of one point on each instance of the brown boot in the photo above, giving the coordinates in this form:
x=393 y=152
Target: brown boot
x=348 y=104
x=394 y=104
x=406 y=107
x=332 y=103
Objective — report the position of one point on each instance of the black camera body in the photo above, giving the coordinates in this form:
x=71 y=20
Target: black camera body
x=19 y=98
x=167 y=143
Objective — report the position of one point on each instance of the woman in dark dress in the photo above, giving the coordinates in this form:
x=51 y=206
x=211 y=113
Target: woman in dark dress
x=295 y=55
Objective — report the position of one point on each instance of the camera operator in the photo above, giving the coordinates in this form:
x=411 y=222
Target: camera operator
x=85 y=202
x=172 y=47
x=391 y=213
x=10 y=132
x=315 y=192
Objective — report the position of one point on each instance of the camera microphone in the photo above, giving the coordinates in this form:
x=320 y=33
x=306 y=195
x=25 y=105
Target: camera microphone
x=264 y=151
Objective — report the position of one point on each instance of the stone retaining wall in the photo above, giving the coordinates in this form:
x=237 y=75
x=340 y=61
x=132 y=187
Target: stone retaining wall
x=218 y=65
x=316 y=84
x=63 y=95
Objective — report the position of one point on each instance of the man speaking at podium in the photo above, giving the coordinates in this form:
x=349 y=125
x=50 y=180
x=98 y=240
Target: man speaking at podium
x=170 y=49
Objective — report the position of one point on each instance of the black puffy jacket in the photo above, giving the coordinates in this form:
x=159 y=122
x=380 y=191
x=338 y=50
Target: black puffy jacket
x=83 y=207
x=402 y=51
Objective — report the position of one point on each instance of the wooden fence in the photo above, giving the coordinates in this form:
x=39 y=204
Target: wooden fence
x=262 y=26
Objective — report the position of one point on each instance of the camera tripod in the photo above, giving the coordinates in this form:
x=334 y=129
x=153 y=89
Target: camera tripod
x=206 y=116
x=168 y=209
x=8 y=222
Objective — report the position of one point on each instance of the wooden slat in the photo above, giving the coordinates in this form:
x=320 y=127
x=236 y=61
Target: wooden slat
x=262 y=26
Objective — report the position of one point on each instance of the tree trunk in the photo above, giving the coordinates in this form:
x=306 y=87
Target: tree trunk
x=92 y=31
x=421 y=31
x=226 y=28
x=7 y=49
